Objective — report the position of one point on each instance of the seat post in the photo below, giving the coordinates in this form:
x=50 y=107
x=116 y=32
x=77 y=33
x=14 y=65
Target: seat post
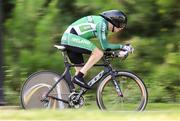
x=64 y=53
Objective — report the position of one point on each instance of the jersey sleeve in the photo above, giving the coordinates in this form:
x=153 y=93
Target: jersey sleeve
x=102 y=36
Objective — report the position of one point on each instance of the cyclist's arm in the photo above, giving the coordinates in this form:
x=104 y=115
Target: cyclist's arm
x=102 y=36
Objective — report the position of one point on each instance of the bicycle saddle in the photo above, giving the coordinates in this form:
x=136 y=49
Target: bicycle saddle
x=60 y=47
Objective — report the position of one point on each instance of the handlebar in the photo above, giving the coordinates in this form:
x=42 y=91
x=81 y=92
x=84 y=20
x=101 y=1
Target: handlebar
x=114 y=54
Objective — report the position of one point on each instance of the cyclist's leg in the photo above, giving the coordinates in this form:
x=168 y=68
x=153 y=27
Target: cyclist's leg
x=75 y=56
x=96 y=55
x=81 y=45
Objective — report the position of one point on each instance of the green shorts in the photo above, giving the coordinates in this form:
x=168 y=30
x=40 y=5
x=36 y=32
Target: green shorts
x=77 y=41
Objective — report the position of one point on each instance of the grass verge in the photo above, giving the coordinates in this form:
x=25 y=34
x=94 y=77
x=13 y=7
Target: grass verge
x=157 y=112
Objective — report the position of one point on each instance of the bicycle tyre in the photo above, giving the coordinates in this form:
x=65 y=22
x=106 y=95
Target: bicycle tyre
x=37 y=85
x=105 y=97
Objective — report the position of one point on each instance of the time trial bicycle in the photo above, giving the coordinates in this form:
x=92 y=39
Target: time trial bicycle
x=117 y=90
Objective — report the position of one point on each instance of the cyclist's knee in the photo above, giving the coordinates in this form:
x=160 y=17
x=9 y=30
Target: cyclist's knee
x=97 y=52
x=101 y=53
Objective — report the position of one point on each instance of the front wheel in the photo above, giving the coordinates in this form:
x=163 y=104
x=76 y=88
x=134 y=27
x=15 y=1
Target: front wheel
x=134 y=92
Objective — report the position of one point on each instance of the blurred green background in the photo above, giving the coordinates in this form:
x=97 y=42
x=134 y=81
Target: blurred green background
x=32 y=27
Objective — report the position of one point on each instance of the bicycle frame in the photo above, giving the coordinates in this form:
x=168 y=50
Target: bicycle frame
x=67 y=77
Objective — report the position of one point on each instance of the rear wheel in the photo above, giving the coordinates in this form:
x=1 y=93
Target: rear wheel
x=133 y=89
x=36 y=87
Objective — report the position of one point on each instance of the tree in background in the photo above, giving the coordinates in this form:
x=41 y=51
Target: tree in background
x=2 y=102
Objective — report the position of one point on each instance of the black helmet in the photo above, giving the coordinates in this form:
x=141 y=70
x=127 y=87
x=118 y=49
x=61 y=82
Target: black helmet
x=115 y=17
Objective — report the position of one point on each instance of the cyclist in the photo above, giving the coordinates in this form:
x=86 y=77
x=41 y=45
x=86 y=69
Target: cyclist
x=76 y=40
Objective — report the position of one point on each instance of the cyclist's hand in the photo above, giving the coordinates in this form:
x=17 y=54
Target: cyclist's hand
x=122 y=53
x=128 y=48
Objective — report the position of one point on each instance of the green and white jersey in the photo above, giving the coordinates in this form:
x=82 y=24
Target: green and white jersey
x=89 y=27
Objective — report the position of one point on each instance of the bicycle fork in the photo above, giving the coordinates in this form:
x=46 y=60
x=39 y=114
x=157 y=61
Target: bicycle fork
x=116 y=85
